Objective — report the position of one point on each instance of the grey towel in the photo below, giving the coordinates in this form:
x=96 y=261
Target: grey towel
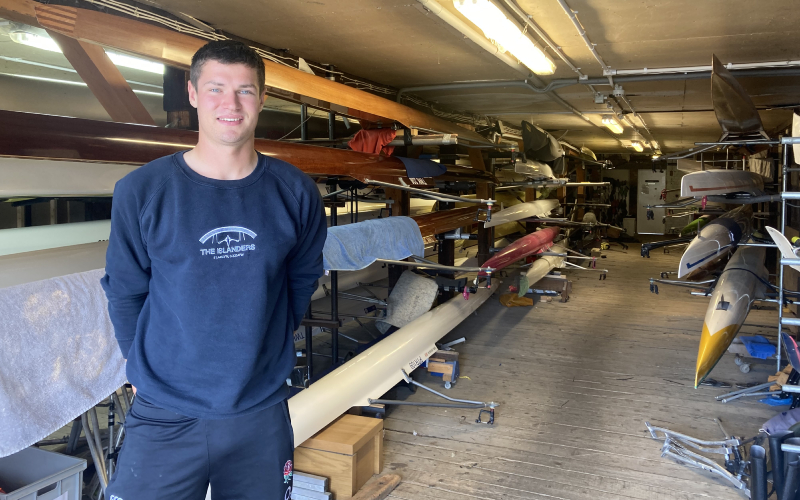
x=355 y=246
x=58 y=356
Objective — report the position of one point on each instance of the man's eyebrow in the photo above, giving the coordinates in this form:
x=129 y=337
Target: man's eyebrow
x=212 y=82
x=247 y=85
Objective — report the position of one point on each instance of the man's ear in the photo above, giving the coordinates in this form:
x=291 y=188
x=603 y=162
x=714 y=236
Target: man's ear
x=192 y=94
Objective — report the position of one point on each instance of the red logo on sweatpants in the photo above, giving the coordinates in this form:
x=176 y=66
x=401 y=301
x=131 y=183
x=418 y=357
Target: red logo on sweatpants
x=287 y=471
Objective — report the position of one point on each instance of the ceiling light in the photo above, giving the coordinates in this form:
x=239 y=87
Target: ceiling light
x=655 y=146
x=612 y=124
x=47 y=43
x=506 y=34
x=34 y=40
x=135 y=63
x=637 y=146
x=656 y=157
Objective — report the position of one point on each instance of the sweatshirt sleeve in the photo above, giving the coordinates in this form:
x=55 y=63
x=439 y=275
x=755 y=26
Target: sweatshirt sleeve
x=305 y=263
x=127 y=278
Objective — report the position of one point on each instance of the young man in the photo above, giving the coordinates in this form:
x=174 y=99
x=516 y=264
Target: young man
x=213 y=257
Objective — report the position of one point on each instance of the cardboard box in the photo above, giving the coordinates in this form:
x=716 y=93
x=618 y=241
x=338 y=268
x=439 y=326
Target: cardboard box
x=348 y=452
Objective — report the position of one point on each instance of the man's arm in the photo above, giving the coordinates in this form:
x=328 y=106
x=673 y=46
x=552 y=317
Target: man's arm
x=304 y=265
x=127 y=279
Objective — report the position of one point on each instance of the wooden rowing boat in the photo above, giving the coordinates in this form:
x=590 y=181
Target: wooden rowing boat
x=76 y=140
x=527 y=245
x=716 y=240
x=740 y=284
x=538 y=208
x=719 y=182
x=733 y=107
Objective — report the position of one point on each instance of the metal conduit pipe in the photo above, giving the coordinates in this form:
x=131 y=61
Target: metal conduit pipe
x=451 y=19
x=445 y=15
x=566 y=82
x=693 y=69
x=582 y=32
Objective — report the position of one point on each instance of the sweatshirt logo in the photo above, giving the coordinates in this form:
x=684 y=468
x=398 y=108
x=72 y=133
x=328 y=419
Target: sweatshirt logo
x=227 y=242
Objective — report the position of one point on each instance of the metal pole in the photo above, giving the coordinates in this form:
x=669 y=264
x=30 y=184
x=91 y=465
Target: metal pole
x=780 y=265
x=309 y=348
x=331 y=125
x=334 y=299
x=304 y=122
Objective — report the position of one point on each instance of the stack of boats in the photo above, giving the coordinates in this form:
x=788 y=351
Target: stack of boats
x=742 y=279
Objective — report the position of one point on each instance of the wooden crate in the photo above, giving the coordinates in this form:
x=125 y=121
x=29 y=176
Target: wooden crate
x=559 y=284
x=349 y=451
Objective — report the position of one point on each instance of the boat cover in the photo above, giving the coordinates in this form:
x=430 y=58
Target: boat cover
x=355 y=246
x=417 y=169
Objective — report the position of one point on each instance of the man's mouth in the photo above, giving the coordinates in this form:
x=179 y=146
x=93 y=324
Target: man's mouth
x=231 y=120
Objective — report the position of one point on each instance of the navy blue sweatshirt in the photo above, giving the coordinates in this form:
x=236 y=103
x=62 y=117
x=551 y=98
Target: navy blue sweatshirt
x=208 y=279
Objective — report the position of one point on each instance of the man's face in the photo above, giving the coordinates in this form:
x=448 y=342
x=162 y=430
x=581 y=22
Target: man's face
x=228 y=101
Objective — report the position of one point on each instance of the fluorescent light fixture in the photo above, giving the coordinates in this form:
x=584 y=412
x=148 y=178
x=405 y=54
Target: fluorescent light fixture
x=34 y=40
x=655 y=146
x=612 y=124
x=637 y=146
x=656 y=157
x=47 y=43
x=505 y=34
x=135 y=63
x=70 y=82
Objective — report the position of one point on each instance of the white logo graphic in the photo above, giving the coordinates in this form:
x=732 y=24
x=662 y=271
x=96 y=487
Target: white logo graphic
x=227 y=242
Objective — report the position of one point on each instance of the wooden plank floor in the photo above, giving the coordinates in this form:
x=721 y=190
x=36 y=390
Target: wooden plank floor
x=575 y=383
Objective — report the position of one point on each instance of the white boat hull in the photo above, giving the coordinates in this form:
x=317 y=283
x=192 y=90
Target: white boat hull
x=786 y=248
x=376 y=370
x=715 y=240
x=534 y=170
x=719 y=182
x=538 y=208
x=30 y=239
x=21 y=177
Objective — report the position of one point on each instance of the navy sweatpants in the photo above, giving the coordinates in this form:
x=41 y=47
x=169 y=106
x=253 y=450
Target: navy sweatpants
x=170 y=456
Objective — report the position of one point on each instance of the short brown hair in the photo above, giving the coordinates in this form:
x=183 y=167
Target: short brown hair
x=227 y=52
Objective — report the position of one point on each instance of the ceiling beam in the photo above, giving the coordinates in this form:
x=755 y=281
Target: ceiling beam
x=103 y=79
x=176 y=49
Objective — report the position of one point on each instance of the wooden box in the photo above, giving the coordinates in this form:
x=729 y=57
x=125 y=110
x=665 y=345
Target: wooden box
x=349 y=451
x=559 y=284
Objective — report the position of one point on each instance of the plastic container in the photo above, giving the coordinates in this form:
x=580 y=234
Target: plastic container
x=34 y=474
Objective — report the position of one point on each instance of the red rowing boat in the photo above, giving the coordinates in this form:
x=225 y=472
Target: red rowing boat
x=527 y=245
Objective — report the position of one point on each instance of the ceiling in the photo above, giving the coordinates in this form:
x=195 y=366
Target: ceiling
x=399 y=44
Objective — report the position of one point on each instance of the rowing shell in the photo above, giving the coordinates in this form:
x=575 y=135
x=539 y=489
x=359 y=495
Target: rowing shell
x=376 y=370
x=733 y=107
x=540 y=268
x=696 y=225
x=534 y=170
x=538 y=208
x=718 y=182
x=527 y=245
x=30 y=239
x=788 y=251
x=737 y=288
x=716 y=240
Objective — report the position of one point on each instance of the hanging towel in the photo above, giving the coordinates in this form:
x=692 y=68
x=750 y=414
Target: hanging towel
x=58 y=356
x=355 y=246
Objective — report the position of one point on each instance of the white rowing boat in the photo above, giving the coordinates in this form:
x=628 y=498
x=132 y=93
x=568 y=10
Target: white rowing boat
x=740 y=284
x=719 y=182
x=21 y=177
x=30 y=239
x=538 y=208
x=716 y=240
x=534 y=170
x=540 y=268
x=788 y=251
x=376 y=370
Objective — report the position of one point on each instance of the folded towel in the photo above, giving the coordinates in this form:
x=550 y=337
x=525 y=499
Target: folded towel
x=58 y=356
x=355 y=246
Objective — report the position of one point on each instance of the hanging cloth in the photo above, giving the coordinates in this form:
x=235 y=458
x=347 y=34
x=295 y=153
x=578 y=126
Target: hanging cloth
x=373 y=141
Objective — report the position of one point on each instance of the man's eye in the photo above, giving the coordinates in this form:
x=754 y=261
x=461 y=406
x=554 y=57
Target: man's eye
x=215 y=90
x=246 y=92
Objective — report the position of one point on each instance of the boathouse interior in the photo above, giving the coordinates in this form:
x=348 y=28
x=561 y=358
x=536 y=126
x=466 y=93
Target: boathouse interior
x=560 y=259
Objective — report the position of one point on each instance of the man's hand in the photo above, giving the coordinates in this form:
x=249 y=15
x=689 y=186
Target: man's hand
x=134 y=389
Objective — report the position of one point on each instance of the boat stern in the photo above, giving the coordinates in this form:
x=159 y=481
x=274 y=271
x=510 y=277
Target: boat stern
x=712 y=346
